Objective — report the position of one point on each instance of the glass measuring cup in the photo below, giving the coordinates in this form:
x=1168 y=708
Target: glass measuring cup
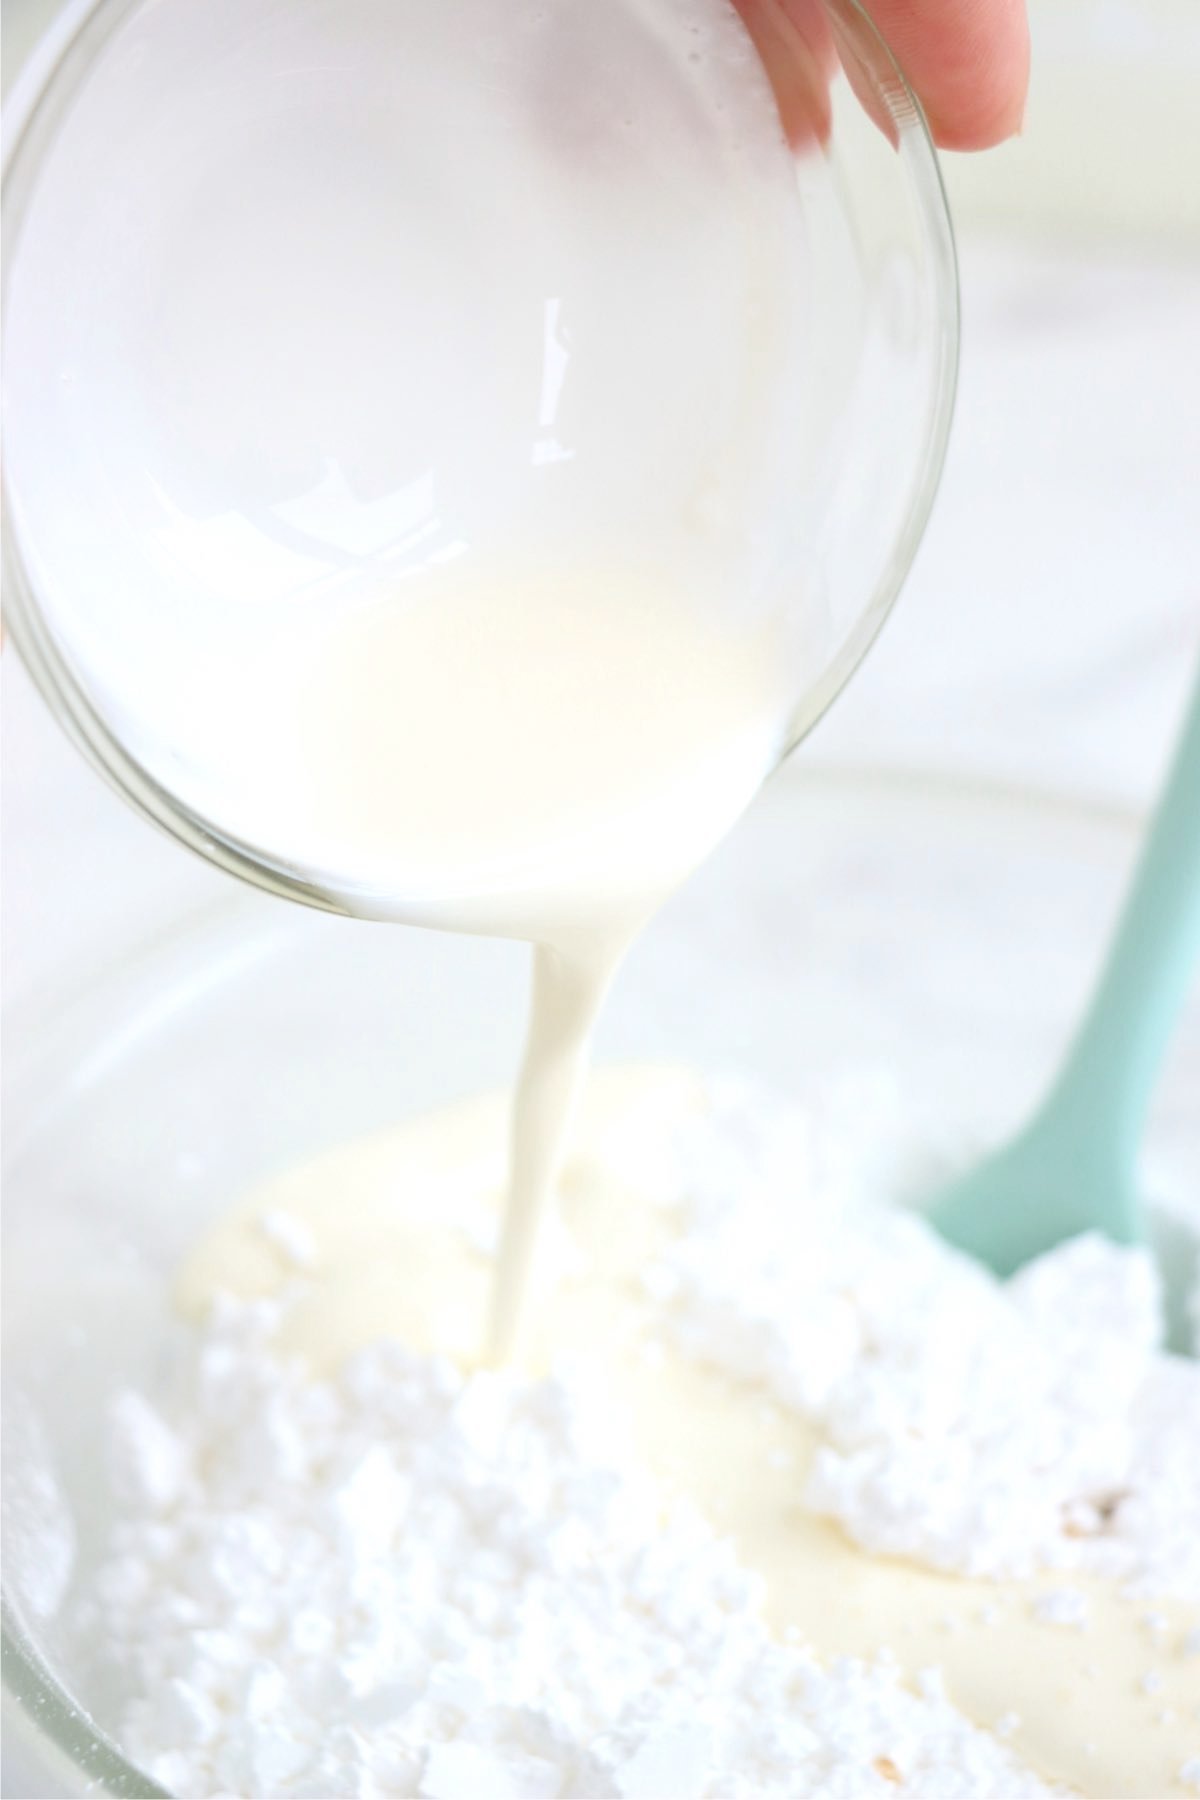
x=299 y=301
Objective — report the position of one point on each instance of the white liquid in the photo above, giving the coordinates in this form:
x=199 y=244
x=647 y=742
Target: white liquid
x=528 y=752
x=544 y=759
x=567 y=995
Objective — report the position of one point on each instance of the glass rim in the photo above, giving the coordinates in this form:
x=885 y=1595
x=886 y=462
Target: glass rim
x=59 y=1725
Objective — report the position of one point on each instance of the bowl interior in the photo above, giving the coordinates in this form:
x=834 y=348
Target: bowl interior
x=938 y=936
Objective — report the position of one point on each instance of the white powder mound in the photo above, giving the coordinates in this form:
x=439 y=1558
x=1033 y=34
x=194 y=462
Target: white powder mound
x=404 y=1582
x=992 y=1428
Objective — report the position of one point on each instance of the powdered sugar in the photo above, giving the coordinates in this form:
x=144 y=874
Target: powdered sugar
x=400 y=1580
x=1062 y=1606
x=404 y=1582
x=290 y=1237
x=991 y=1428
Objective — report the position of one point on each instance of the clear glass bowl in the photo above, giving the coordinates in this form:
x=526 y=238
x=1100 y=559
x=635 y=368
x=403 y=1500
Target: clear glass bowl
x=389 y=390
x=944 y=932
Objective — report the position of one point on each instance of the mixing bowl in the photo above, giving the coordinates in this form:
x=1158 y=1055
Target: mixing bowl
x=941 y=934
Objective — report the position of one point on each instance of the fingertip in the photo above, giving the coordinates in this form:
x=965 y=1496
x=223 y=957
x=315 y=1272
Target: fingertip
x=988 y=110
x=968 y=63
x=979 y=130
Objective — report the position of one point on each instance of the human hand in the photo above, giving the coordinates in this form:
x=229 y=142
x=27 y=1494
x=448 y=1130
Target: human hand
x=967 y=61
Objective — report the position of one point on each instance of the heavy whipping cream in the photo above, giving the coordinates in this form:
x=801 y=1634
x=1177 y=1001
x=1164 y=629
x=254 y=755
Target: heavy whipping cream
x=539 y=758
x=544 y=757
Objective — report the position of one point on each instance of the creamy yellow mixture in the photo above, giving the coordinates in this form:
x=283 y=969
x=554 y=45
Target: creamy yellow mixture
x=401 y=1226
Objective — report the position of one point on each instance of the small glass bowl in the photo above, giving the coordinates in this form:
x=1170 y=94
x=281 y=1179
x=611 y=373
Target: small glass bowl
x=137 y=495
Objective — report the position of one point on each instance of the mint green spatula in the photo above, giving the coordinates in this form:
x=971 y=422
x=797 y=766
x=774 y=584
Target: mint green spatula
x=1072 y=1168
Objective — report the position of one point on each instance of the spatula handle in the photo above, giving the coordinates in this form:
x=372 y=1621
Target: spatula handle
x=1154 y=953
